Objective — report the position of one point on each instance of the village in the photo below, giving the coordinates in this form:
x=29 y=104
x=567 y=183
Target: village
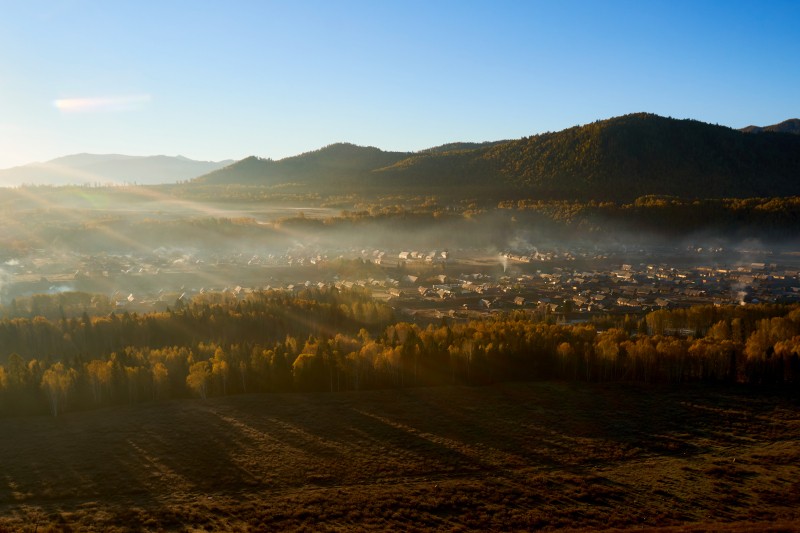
x=575 y=284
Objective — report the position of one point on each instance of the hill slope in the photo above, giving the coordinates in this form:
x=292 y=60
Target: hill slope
x=623 y=158
x=615 y=159
x=787 y=126
x=336 y=165
x=82 y=169
x=461 y=146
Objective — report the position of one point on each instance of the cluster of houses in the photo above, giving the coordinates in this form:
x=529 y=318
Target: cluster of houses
x=410 y=280
x=625 y=289
x=424 y=257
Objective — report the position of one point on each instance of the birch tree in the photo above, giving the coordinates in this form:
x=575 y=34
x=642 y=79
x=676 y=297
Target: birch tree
x=58 y=381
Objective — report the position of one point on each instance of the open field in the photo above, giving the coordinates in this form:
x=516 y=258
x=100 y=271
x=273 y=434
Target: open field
x=506 y=457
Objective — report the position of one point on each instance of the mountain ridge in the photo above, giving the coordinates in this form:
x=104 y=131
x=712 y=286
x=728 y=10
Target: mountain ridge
x=85 y=168
x=620 y=158
x=787 y=126
x=344 y=162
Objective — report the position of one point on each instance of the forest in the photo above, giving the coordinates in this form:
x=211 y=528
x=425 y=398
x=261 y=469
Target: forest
x=327 y=340
x=618 y=159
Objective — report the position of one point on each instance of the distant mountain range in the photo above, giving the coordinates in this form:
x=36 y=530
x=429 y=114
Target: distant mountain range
x=617 y=159
x=620 y=158
x=83 y=169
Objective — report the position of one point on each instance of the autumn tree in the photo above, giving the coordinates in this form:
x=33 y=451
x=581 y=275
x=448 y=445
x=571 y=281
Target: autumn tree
x=198 y=378
x=57 y=382
x=99 y=374
x=160 y=376
x=220 y=369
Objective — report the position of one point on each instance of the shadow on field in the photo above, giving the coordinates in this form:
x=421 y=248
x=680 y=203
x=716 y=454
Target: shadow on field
x=209 y=463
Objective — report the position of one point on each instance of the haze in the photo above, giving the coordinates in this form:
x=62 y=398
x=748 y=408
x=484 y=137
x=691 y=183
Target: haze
x=399 y=266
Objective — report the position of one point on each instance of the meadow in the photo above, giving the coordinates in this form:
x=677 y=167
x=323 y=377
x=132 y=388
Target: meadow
x=514 y=456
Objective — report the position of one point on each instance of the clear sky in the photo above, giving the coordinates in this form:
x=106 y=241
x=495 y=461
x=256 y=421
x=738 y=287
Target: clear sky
x=231 y=78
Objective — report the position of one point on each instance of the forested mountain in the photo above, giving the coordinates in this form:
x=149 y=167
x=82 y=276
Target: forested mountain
x=336 y=164
x=616 y=159
x=627 y=157
x=80 y=169
x=461 y=146
x=787 y=126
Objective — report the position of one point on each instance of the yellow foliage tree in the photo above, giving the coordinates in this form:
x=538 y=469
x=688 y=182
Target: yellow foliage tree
x=197 y=380
x=57 y=381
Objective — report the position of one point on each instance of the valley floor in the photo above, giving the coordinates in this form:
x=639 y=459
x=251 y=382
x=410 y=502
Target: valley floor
x=521 y=456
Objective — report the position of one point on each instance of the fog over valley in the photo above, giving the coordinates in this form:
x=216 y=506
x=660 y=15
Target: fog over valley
x=430 y=266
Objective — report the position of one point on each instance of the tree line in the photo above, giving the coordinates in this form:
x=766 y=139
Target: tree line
x=330 y=341
x=669 y=215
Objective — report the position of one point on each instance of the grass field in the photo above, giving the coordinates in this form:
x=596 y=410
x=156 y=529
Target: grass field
x=507 y=457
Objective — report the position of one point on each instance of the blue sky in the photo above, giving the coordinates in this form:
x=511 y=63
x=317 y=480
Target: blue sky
x=217 y=80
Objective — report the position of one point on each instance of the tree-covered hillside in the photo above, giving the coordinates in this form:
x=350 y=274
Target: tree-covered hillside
x=787 y=126
x=617 y=159
x=627 y=157
x=336 y=165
